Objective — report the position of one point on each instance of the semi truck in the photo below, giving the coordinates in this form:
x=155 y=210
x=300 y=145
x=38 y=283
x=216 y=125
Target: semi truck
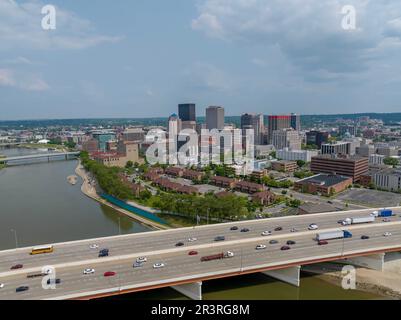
x=358 y=220
x=218 y=256
x=330 y=235
x=382 y=213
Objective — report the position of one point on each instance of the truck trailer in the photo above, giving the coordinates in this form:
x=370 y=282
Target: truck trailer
x=358 y=220
x=382 y=213
x=331 y=235
x=218 y=256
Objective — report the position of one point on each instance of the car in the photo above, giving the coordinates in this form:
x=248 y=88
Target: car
x=234 y=228
x=192 y=253
x=48 y=271
x=387 y=234
x=313 y=226
x=158 y=265
x=17 y=266
x=244 y=230
x=293 y=230
x=89 y=271
x=260 y=247
x=192 y=239
x=22 y=289
x=322 y=242
x=141 y=259
x=179 y=244
x=283 y=248
x=386 y=220
x=1 y=285
x=93 y=246
x=364 y=237
x=220 y=238
x=137 y=264
x=104 y=253
x=273 y=241
x=278 y=229
x=291 y=242
x=230 y=254
x=266 y=233
x=109 y=274
x=330 y=202
x=340 y=221
x=53 y=281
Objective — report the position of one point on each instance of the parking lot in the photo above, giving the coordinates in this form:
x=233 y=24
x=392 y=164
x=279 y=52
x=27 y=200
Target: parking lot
x=371 y=198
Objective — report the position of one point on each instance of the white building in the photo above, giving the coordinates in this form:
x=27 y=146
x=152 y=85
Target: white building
x=294 y=155
x=287 y=138
x=389 y=179
x=376 y=159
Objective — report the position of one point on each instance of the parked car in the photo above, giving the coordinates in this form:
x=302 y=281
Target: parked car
x=291 y=242
x=278 y=229
x=285 y=248
x=109 y=274
x=192 y=253
x=322 y=242
x=364 y=237
x=273 y=241
x=179 y=244
x=220 y=238
x=244 y=230
x=89 y=271
x=260 y=247
x=313 y=226
x=158 y=265
x=266 y=233
x=22 y=289
x=17 y=266
x=234 y=228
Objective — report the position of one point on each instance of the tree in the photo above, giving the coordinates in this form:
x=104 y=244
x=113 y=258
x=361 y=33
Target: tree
x=391 y=161
x=129 y=164
x=301 y=163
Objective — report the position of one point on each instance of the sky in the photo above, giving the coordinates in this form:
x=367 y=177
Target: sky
x=141 y=58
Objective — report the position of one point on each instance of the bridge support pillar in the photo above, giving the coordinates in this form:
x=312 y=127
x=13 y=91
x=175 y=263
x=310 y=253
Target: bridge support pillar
x=289 y=275
x=190 y=290
x=374 y=261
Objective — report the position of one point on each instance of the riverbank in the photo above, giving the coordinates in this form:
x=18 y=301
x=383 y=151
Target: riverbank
x=89 y=189
x=386 y=283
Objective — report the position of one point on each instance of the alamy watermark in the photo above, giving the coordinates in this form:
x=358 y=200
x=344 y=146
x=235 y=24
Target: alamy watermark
x=49 y=21
x=349 y=20
x=348 y=278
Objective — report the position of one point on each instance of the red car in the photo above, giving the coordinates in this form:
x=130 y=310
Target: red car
x=109 y=274
x=192 y=253
x=17 y=266
x=322 y=242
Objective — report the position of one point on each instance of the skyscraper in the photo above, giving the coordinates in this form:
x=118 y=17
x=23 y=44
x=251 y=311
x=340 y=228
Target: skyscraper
x=215 y=118
x=277 y=123
x=255 y=122
x=186 y=112
x=295 y=122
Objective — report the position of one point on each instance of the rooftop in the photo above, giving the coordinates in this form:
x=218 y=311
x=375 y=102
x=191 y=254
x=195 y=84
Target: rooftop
x=325 y=179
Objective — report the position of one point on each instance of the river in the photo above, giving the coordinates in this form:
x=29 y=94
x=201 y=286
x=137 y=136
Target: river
x=37 y=201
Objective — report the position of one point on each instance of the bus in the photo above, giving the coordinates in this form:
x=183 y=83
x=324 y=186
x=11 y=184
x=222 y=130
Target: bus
x=42 y=249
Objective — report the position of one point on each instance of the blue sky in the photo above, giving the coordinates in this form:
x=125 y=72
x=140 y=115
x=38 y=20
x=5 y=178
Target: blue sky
x=140 y=58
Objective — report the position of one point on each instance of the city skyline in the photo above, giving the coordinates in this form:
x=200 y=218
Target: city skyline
x=95 y=66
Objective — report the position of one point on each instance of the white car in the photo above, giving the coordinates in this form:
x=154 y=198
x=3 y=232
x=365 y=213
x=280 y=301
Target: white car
x=158 y=265
x=89 y=271
x=260 y=247
x=387 y=234
x=266 y=233
x=93 y=246
x=1 y=285
x=230 y=254
x=313 y=226
x=192 y=239
x=293 y=230
x=141 y=259
x=48 y=271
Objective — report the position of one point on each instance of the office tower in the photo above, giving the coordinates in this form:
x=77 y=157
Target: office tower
x=103 y=136
x=316 y=138
x=215 y=118
x=255 y=122
x=286 y=138
x=186 y=112
x=295 y=121
x=337 y=148
x=277 y=123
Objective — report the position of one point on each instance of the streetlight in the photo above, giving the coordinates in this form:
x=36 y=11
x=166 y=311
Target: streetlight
x=15 y=237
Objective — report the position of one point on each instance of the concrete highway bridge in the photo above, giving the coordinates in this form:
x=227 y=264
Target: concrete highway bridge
x=46 y=156
x=185 y=272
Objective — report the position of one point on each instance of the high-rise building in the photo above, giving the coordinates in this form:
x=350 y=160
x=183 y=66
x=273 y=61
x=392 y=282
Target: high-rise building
x=316 y=138
x=187 y=112
x=286 y=138
x=277 y=123
x=255 y=122
x=215 y=118
x=337 y=148
x=103 y=137
x=295 y=121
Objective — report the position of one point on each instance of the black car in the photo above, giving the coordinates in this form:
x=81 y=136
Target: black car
x=22 y=288
x=291 y=242
x=104 y=253
x=278 y=229
x=245 y=230
x=234 y=228
x=365 y=237
x=220 y=238
x=285 y=248
x=53 y=281
x=179 y=244
x=273 y=241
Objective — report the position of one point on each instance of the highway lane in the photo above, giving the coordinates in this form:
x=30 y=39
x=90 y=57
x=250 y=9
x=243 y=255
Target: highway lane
x=159 y=240
x=179 y=264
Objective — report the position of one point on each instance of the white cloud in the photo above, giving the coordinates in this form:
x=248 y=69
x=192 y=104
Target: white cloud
x=203 y=75
x=21 y=80
x=6 y=78
x=20 y=27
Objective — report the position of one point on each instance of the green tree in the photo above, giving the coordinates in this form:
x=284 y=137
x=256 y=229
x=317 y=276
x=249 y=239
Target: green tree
x=391 y=161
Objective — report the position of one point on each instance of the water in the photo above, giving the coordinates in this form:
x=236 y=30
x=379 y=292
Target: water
x=37 y=201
